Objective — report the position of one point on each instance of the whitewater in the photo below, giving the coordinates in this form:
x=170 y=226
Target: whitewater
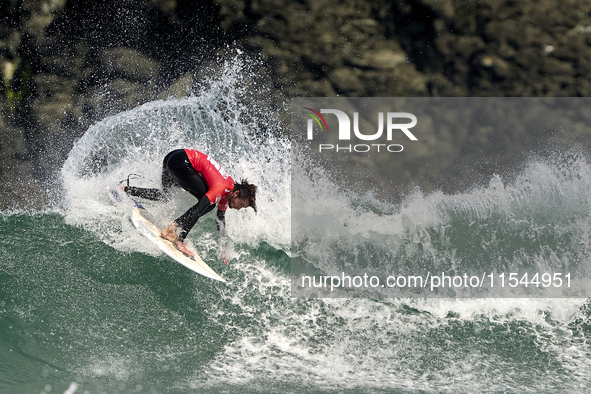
x=89 y=305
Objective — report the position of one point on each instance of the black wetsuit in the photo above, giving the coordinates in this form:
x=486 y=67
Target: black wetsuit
x=177 y=169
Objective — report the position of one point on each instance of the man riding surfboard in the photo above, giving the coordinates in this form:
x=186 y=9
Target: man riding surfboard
x=205 y=179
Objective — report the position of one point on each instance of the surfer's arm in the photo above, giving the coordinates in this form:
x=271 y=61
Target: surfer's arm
x=188 y=219
x=221 y=222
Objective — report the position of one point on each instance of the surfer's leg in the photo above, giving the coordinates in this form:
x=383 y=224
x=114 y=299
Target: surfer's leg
x=167 y=181
x=143 y=192
x=179 y=168
x=180 y=171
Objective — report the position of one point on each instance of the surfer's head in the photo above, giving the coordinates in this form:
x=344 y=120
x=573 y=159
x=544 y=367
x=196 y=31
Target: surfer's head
x=243 y=195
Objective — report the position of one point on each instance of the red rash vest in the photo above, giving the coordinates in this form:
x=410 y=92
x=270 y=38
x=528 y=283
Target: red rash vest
x=219 y=182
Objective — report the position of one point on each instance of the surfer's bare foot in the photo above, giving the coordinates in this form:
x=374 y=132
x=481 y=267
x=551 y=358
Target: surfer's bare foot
x=170 y=234
x=181 y=246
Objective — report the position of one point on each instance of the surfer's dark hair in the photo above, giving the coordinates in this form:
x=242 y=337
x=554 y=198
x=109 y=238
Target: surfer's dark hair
x=248 y=191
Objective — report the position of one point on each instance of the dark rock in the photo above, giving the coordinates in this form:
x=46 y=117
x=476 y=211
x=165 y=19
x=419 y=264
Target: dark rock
x=554 y=66
x=129 y=64
x=180 y=88
x=346 y=81
x=115 y=96
x=67 y=63
x=18 y=188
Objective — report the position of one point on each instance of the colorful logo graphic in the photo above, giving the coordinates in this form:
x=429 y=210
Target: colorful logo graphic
x=317 y=117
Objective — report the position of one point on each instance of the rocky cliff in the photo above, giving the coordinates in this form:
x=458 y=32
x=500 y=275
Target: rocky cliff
x=69 y=63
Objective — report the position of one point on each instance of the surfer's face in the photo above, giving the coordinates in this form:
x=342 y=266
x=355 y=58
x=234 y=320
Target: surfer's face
x=237 y=203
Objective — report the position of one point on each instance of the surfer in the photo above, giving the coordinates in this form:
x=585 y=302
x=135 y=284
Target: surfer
x=205 y=179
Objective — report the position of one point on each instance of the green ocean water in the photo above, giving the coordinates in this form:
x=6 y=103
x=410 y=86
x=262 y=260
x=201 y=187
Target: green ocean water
x=89 y=305
x=76 y=310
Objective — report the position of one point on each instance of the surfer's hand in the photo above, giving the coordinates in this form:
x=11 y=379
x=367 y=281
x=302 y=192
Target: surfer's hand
x=223 y=255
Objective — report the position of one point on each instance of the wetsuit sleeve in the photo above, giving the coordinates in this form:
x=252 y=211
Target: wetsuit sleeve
x=147 y=193
x=187 y=220
x=221 y=222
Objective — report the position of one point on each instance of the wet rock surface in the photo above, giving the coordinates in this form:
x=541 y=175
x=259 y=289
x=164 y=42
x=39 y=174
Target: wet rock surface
x=67 y=64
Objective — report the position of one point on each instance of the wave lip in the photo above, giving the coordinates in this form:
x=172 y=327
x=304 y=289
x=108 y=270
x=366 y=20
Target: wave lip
x=527 y=237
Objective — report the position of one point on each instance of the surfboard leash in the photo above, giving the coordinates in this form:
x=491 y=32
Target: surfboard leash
x=135 y=176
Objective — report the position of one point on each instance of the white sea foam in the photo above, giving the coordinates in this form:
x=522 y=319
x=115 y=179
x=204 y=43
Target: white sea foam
x=420 y=344
x=212 y=121
x=415 y=344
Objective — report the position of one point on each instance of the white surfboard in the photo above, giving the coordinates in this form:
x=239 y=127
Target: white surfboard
x=140 y=219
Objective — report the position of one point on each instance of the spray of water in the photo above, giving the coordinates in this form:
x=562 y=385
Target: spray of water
x=219 y=121
x=422 y=344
